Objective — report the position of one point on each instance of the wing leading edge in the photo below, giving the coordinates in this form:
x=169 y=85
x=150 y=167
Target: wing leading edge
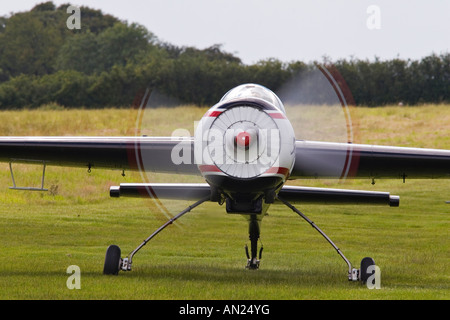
x=135 y=153
x=343 y=160
x=312 y=159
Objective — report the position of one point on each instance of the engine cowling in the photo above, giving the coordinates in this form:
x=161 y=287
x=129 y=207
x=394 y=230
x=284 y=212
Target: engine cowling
x=245 y=143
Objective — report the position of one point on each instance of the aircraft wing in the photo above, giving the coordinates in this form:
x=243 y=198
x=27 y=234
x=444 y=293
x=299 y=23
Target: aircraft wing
x=136 y=153
x=343 y=160
x=312 y=159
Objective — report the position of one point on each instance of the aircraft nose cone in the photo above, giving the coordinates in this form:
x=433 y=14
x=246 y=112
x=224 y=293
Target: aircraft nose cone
x=242 y=139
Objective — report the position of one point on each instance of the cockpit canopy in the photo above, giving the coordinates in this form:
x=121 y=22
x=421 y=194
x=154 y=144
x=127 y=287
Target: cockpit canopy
x=254 y=91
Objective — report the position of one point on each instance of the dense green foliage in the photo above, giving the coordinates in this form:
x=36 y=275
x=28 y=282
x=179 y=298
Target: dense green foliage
x=109 y=62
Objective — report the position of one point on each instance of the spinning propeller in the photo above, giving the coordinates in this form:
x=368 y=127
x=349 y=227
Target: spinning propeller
x=244 y=141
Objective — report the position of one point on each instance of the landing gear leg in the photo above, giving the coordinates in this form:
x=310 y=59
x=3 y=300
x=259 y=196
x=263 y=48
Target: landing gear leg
x=353 y=274
x=125 y=263
x=253 y=230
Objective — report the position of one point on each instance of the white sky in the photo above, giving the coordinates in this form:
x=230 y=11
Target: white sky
x=285 y=29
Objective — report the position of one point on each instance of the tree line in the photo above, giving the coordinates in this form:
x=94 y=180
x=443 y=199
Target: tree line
x=110 y=63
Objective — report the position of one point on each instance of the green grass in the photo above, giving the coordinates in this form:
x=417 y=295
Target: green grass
x=202 y=256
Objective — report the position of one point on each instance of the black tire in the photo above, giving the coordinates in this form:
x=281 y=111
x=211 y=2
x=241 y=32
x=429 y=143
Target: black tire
x=112 y=260
x=365 y=264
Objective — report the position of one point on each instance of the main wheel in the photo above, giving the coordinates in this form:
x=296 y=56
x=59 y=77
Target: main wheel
x=365 y=264
x=112 y=260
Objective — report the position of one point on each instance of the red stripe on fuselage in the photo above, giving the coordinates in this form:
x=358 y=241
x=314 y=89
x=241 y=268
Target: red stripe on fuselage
x=212 y=114
x=277 y=115
x=209 y=168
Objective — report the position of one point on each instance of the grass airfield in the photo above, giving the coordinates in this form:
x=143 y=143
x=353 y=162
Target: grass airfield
x=202 y=256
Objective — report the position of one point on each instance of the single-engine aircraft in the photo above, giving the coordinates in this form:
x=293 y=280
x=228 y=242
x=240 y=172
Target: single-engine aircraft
x=245 y=149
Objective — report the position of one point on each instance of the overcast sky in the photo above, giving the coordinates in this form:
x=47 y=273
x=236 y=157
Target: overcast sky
x=286 y=29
